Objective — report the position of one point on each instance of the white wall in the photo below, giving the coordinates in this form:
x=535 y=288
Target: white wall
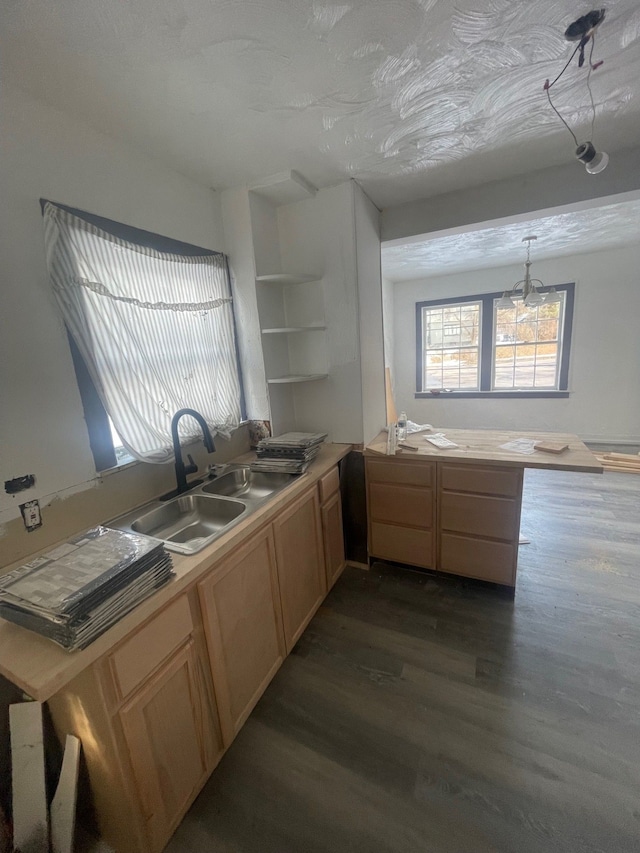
x=236 y=214
x=48 y=154
x=367 y=235
x=604 y=379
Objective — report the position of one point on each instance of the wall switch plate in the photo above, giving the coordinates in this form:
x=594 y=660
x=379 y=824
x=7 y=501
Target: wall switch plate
x=31 y=515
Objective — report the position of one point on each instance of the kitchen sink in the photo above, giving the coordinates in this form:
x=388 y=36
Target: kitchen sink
x=188 y=517
x=243 y=482
x=190 y=522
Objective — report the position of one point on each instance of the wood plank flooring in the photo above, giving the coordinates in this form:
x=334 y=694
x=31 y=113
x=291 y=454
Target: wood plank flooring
x=434 y=715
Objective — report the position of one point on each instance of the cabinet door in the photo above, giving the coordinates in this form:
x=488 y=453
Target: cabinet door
x=300 y=559
x=333 y=536
x=241 y=612
x=167 y=728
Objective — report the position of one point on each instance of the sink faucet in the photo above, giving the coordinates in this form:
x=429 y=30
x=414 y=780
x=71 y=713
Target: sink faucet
x=181 y=469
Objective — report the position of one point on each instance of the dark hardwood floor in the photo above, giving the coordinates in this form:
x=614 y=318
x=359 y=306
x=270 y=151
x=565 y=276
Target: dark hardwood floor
x=437 y=715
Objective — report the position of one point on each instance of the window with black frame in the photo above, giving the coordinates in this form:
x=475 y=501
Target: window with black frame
x=471 y=346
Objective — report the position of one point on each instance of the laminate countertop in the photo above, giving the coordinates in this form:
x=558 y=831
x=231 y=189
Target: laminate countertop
x=485 y=445
x=40 y=667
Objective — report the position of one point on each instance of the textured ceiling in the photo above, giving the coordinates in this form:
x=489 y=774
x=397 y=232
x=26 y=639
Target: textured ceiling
x=605 y=227
x=411 y=97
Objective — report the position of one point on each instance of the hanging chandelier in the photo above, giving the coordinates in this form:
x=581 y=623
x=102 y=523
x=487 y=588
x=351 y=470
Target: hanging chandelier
x=530 y=293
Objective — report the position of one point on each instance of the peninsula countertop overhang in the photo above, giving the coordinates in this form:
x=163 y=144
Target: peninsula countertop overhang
x=484 y=446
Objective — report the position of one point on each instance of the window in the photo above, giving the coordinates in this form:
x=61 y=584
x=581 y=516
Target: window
x=151 y=329
x=452 y=345
x=472 y=348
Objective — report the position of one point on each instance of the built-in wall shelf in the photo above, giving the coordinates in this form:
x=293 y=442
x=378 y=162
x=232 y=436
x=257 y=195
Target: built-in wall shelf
x=286 y=330
x=289 y=380
x=287 y=278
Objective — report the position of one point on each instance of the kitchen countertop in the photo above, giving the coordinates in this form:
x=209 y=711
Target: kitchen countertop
x=483 y=445
x=38 y=666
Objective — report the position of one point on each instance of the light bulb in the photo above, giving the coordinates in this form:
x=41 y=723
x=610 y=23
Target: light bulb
x=506 y=301
x=598 y=164
x=594 y=161
x=533 y=299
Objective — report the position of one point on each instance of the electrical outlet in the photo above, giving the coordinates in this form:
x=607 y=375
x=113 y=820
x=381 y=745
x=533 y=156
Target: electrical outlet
x=31 y=515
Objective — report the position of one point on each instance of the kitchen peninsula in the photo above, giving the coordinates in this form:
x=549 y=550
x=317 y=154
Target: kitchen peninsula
x=457 y=510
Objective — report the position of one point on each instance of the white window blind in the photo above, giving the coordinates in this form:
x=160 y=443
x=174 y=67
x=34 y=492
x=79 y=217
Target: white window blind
x=154 y=329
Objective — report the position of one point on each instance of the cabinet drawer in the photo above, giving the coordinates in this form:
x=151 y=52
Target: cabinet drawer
x=132 y=662
x=477 y=558
x=497 y=518
x=329 y=484
x=407 y=473
x=401 y=504
x=403 y=544
x=484 y=481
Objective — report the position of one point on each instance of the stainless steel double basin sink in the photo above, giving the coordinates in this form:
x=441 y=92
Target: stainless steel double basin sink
x=190 y=522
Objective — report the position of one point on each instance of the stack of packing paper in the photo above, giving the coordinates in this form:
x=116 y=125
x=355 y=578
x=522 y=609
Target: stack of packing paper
x=75 y=592
x=290 y=453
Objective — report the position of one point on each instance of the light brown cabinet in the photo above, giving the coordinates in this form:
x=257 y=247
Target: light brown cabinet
x=479 y=521
x=332 y=527
x=456 y=518
x=168 y=733
x=333 y=536
x=157 y=707
x=401 y=509
x=240 y=603
x=301 y=569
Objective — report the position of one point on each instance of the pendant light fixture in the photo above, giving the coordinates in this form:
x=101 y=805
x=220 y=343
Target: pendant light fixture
x=584 y=32
x=530 y=294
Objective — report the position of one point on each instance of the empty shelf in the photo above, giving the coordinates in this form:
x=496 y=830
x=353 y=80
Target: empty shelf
x=285 y=330
x=287 y=278
x=287 y=380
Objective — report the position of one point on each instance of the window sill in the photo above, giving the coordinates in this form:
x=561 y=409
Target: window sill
x=489 y=395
